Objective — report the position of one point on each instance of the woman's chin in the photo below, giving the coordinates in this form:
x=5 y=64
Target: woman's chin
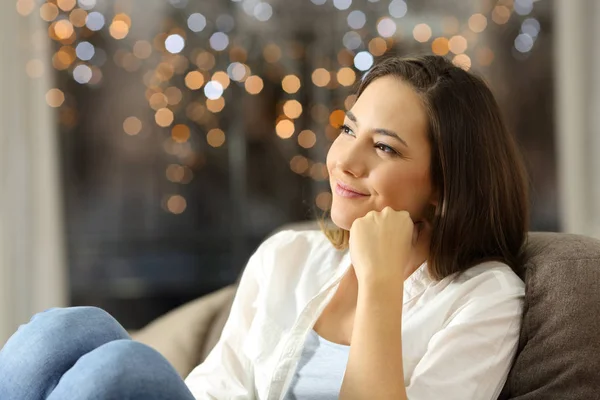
x=341 y=220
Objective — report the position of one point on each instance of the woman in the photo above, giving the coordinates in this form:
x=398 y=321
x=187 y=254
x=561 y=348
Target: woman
x=412 y=296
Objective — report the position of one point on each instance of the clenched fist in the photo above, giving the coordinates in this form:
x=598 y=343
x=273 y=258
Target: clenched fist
x=380 y=246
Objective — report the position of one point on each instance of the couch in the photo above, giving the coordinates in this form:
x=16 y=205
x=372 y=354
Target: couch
x=559 y=349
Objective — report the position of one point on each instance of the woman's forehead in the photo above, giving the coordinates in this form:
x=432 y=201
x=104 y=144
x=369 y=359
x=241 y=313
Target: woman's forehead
x=390 y=103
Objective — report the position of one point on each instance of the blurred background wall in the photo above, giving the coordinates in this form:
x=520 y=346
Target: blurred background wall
x=148 y=146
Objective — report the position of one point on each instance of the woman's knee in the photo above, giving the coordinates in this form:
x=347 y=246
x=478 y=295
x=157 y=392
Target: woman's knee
x=74 y=323
x=124 y=369
x=55 y=339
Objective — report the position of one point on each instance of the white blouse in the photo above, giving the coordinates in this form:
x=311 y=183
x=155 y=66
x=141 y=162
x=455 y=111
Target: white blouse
x=459 y=335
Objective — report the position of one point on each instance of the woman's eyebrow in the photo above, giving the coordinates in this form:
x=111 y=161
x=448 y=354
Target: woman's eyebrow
x=380 y=131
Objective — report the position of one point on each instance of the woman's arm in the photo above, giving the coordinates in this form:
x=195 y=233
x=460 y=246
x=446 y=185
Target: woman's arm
x=375 y=369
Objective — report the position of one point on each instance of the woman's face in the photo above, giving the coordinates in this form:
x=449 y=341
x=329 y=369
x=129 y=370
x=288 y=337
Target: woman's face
x=382 y=156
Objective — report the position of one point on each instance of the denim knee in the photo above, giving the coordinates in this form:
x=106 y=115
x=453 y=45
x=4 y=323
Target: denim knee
x=36 y=356
x=122 y=369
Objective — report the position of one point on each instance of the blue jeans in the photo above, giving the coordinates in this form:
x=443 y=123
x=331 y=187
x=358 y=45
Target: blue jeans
x=83 y=353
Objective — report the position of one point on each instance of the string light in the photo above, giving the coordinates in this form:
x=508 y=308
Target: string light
x=172 y=66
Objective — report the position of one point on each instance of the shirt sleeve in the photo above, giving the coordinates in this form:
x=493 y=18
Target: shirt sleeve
x=471 y=356
x=227 y=373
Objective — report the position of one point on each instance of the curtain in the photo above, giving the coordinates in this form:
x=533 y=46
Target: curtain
x=577 y=58
x=32 y=264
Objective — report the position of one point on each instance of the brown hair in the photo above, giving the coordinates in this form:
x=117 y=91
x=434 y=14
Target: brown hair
x=476 y=167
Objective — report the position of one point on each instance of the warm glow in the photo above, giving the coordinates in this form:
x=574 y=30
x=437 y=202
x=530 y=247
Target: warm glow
x=78 y=17
x=318 y=171
x=349 y=102
x=500 y=15
x=48 y=12
x=132 y=126
x=180 y=133
x=175 y=173
x=25 y=7
x=215 y=137
x=55 y=98
x=142 y=49
x=299 y=164
x=285 y=129
x=205 y=61
x=194 y=80
x=307 y=139
x=66 y=5
x=321 y=77
x=158 y=101
x=164 y=117
x=176 y=204
x=377 y=46
x=215 y=105
x=222 y=78
x=272 y=53
x=123 y=18
x=336 y=118
x=463 y=61
x=477 y=23
x=345 y=57
x=346 y=76
x=457 y=44
x=254 y=84
x=63 y=58
x=119 y=29
x=440 y=46
x=164 y=71
x=291 y=84
x=174 y=95
x=292 y=109
x=323 y=201
x=422 y=33
x=63 y=29
x=238 y=54
x=34 y=68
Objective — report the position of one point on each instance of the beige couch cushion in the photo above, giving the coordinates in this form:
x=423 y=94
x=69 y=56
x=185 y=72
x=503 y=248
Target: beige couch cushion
x=180 y=335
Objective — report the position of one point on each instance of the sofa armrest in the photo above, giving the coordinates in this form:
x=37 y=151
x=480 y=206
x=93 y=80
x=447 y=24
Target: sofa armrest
x=180 y=334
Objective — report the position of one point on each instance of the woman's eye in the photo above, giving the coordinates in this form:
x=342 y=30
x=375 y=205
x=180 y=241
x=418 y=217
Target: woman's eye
x=386 y=149
x=345 y=129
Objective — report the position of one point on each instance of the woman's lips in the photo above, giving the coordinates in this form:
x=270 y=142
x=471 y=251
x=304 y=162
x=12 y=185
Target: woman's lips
x=347 y=191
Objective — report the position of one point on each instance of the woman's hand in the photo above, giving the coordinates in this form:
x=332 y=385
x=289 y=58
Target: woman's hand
x=380 y=246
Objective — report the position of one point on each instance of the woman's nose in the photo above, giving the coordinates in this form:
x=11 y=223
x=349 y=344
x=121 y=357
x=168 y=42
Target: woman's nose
x=352 y=159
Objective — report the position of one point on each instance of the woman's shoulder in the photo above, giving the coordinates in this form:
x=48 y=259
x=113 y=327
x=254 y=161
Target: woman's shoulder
x=490 y=278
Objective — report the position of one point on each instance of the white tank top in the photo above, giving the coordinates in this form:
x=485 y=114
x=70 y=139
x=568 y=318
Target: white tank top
x=320 y=371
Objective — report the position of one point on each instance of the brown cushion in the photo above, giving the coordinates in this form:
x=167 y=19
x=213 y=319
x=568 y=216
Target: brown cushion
x=180 y=334
x=559 y=350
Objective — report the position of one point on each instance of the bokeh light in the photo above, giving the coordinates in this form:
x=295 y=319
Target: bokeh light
x=285 y=129
x=292 y=109
x=363 y=61
x=386 y=27
x=215 y=137
x=254 y=84
x=307 y=139
x=477 y=23
x=132 y=126
x=290 y=84
x=321 y=77
x=422 y=33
